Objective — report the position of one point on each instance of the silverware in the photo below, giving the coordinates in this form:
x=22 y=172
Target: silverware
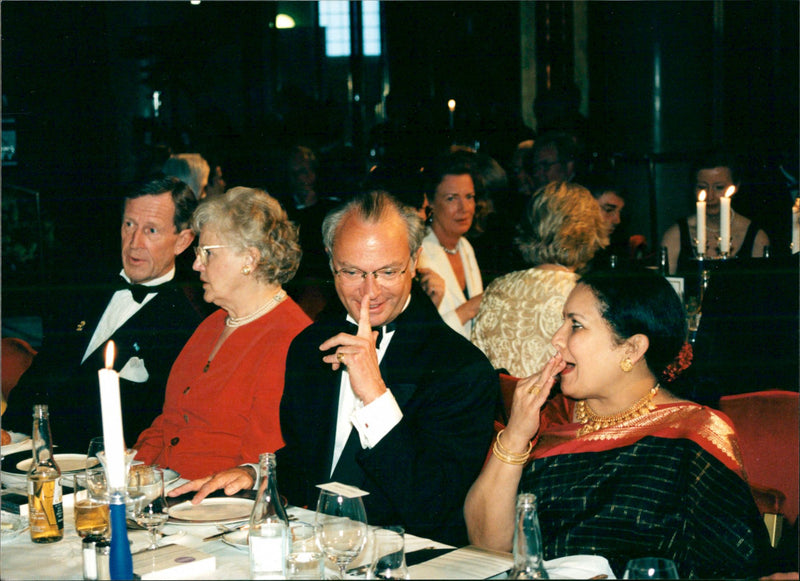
x=225 y=531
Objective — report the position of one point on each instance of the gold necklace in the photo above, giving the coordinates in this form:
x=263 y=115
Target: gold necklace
x=584 y=414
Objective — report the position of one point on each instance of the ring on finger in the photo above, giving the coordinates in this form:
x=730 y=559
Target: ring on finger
x=339 y=356
x=534 y=389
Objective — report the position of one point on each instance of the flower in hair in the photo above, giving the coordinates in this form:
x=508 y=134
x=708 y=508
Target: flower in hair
x=680 y=364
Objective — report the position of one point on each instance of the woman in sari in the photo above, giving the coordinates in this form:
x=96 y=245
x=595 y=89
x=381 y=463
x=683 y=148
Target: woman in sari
x=621 y=465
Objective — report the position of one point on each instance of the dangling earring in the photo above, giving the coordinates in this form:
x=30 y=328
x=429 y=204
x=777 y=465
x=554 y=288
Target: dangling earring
x=626 y=365
x=246 y=270
x=428 y=215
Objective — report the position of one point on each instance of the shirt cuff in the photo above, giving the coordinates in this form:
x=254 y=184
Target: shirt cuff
x=377 y=419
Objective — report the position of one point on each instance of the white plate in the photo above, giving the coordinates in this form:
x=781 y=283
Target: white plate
x=18 y=443
x=67 y=463
x=212 y=511
x=237 y=539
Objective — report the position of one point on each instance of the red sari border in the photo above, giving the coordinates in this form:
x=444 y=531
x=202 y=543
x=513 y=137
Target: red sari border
x=710 y=429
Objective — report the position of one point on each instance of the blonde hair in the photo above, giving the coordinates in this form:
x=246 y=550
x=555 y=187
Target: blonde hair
x=562 y=224
x=249 y=217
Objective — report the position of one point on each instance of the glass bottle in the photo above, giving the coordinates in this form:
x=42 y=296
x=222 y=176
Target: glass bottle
x=664 y=261
x=527 y=549
x=46 y=513
x=268 y=534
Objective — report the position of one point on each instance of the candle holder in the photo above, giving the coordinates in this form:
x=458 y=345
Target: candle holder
x=120 y=559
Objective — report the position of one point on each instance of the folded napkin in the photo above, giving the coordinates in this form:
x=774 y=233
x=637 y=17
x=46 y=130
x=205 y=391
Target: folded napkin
x=578 y=567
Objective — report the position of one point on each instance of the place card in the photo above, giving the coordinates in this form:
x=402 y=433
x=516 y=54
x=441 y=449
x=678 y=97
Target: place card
x=343 y=489
x=173 y=562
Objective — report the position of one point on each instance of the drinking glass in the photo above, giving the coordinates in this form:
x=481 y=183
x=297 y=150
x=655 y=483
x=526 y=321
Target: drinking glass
x=149 y=505
x=95 y=445
x=651 y=568
x=305 y=559
x=341 y=524
x=388 y=554
x=91 y=506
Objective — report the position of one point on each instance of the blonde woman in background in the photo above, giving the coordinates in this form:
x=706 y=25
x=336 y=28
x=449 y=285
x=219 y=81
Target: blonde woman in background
x=559 y=234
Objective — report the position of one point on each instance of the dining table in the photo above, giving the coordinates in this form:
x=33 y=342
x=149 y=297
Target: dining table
x=20 y=558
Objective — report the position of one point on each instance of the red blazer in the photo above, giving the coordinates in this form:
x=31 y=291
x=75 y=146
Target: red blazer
x=223 y=414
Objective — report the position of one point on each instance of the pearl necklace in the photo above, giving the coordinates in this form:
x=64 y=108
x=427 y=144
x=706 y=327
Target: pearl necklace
x=584 y=414
x=273 y=302
x=452 y=252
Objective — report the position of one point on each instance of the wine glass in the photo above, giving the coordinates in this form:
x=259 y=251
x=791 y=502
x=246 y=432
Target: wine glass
x=651 y=568
x=148 y=483
x=95 y=445
x=341 y=524
x=388 y=554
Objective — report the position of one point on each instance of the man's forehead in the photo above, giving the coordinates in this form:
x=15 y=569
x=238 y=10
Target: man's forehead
x=385 y=238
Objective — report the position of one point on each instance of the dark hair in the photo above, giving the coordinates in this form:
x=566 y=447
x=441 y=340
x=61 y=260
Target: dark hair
x=716 y=159
x=600 y=183
x=565 y=144
x=456 y=163
x=637 y=301
x=182 y=196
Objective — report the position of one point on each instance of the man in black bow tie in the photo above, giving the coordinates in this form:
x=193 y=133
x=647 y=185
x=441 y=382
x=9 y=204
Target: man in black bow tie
x=409 y=421
x=146 y=313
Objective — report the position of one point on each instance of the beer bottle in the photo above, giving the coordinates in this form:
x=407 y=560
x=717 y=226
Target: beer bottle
x=45 y=511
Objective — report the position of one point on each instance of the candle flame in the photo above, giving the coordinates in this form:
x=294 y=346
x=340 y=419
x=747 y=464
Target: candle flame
x=110 y=355
x=730 y=191
x=451 y=104
x=701 y=197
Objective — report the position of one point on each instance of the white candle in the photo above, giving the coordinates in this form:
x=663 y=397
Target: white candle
x=796 y=226
x=725 y=220
x=701 y=223
x=112 y=422
x=451 y=105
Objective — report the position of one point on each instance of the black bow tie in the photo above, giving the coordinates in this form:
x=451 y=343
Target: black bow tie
x=387 y=328
x=139 y=291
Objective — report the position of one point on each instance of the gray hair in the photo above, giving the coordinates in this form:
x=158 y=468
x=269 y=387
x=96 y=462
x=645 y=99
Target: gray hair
x=248 y=217
x=372 y=207
x=191 y=168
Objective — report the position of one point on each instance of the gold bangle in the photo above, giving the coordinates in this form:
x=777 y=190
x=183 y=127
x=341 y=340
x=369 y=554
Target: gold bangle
x=508 y=452
x=506 y=459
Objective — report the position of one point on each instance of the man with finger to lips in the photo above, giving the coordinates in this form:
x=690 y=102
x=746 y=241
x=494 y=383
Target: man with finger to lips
x=382 y=394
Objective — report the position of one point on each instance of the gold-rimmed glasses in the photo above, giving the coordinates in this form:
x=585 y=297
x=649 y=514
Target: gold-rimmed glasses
x=202 y=251
x=352 y=276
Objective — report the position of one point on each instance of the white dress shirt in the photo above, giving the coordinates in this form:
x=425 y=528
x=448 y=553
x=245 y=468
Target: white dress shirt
x=120 y=308
x=372 y=421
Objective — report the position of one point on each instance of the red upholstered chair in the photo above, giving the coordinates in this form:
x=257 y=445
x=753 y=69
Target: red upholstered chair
x=767 y=424
x=16 y=355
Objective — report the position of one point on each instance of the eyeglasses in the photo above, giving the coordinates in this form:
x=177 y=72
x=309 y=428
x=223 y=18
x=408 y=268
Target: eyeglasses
x=354 y=276
x=202 y=252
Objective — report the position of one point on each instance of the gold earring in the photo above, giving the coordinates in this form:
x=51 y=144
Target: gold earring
x=246 y=270
x=626 y=364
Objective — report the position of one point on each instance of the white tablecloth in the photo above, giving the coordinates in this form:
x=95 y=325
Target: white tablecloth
x=20 y=558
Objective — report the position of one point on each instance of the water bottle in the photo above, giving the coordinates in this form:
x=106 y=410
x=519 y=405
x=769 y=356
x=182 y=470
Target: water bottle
x=527 y=549
x=268 y=534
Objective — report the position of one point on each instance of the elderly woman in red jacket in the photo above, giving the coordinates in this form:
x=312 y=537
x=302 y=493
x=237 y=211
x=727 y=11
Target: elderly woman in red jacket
x=224 y=390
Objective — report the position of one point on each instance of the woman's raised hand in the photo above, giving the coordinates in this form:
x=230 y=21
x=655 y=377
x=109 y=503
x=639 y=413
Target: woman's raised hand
x=529 y=397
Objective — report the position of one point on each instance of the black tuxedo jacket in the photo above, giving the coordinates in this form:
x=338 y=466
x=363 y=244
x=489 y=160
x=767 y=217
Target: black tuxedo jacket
x=156 y=333
x=419 y=473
